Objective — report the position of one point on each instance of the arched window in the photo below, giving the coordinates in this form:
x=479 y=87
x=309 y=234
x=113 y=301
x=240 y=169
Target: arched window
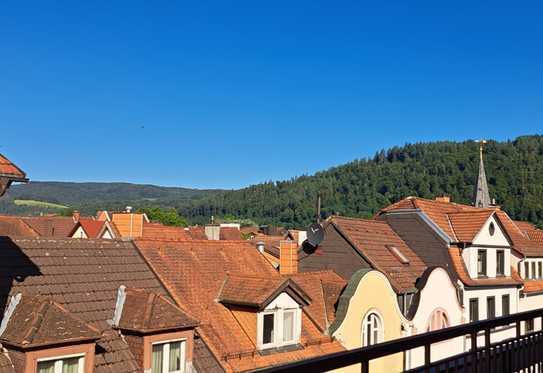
x=372 y=329
x=438 y=320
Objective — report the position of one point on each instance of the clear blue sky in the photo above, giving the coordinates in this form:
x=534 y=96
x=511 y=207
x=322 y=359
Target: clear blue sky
x=234 y=93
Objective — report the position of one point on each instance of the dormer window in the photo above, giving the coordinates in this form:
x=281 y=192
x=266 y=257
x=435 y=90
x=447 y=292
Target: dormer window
x=168 y=357
x=279 y=327
x=481 y=263
x=500 y=263
x=66 y=364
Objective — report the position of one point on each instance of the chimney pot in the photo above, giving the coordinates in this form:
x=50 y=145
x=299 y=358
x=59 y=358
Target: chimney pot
x=76 y=215
x=288 y=257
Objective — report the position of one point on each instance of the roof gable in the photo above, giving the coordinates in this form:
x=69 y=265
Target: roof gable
x=492 y=233
x=259 y=292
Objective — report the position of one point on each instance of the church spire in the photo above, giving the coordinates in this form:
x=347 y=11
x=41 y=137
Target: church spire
x=482 y=196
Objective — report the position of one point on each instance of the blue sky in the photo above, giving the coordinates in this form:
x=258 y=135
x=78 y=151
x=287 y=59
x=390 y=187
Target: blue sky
x=226 y=94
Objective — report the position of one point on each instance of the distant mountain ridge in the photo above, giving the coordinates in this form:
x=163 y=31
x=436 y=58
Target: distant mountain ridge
x=359 y=188
x=89 y=196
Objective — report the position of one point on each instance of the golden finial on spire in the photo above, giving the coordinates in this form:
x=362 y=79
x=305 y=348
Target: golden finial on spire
x=481 y=146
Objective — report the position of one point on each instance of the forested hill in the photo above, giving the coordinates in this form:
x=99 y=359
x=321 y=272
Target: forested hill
x=53 y=197
x=514 y=170
x=360 y=188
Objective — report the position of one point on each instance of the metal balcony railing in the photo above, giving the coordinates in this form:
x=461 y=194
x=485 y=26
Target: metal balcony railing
x=522 y=353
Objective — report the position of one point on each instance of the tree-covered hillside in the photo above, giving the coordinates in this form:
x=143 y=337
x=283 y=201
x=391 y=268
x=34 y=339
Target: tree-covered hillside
x=360 y=188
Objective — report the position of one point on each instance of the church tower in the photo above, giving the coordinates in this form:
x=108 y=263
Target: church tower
x=482 y=196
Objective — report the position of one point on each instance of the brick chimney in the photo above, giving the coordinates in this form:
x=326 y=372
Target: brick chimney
x=76 y=215
x=288 y=257
x=445 y=199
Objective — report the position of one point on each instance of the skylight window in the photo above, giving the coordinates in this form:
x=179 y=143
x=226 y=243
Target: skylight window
x=398 y=254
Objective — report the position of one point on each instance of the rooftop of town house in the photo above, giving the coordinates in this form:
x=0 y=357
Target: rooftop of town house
x=75 y=283
x=197 y=272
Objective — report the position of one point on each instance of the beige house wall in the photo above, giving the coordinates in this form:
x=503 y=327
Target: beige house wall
x=373 y=293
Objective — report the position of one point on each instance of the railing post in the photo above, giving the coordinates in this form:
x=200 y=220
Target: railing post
x=487 y=349
x=365 y=367
x=474 y=352
x=427 y=357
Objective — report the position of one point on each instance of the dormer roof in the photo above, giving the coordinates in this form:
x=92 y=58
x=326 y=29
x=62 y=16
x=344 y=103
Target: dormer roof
x=147 y=312
x=40 y=321
x=258 y=292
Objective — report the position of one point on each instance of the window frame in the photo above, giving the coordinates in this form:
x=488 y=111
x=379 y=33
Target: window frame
x=443 y=320
x=278 y=329
x=491 y=300
x=380 y=329
x=508 y=303
x=59 y=362
x=482 y=258
x=473 y=301
x=500 y=264
x=166 y=356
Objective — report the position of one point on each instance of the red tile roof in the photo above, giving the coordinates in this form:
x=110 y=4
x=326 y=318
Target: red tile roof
x=15 y=226
x=9 y=170
x=83 y=277
x=375 y=240
x=148 y=312
x=533 y=286
x=466 y=225
x=445 y=215
x=164 y=232
x=39 y=321
x=257 y=292
x=195 y=271
x=51 y=226
x=229 y=233
x=463 y=275
x=197 y=233
x=92 y=227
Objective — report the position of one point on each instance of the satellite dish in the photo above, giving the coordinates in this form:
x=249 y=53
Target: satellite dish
x=315 y=234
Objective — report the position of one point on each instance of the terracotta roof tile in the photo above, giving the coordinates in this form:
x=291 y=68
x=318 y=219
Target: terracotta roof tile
x=466 y=224
x=195 y=271
x=533 y=286
x=9 y=170
x=39 y=321
x=463 y=275
x=51 y=226
x=160 y=231
x=376 y=241
x=15 y=226
x=256 y=291
x=197 y=233
x=91 y=227
x=230 y=233
x=440 y=213
x=145 y=312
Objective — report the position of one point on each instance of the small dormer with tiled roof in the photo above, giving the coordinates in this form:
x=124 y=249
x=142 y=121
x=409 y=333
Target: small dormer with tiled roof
x=275 y=304
x=46 y=336
x=159 y=333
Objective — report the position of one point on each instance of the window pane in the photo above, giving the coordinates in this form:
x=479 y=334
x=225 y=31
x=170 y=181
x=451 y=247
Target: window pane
x=481 y=262
x=526 y=270
x=268 y=329
x=539 y=269
x=70 y=365
x=490 y=307
x=473 y=310
x=175 y=356
x=288 y=326
x=369 y=341
x=46 y=367
x=157 y=359
x=533 y=270
x=500 y=262
x=505 y=305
